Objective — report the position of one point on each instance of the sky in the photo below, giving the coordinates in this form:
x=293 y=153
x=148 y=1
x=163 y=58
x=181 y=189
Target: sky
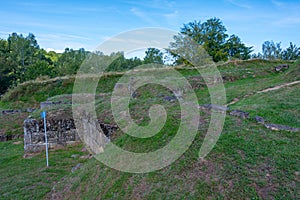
x=58 y=24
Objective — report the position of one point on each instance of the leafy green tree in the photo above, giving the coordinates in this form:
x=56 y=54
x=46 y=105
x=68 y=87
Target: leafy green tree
x=236 y=49
x=6 y=75
x=257 y=56
x=291 y=53
x=131 y=63
x=211 y=34
x=69 y=61
x=39 y=68
x=23 y=48
x=118 y=63
x=271 y=50
x=213 y=37
x=153 y=55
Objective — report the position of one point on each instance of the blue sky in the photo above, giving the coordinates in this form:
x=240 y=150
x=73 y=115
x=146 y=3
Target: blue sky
x=58 y=24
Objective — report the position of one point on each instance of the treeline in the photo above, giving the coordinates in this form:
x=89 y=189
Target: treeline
x=271 y=51
x=22 y=59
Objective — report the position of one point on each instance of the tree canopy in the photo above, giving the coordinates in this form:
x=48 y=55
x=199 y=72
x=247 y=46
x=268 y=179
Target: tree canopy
x=212 y=35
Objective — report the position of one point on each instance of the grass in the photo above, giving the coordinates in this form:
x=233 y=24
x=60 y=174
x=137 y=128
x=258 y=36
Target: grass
x=12 y=124
x=281 y=106
x=248 y=161
x=30 y=178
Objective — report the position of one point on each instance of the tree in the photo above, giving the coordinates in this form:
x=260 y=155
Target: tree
x=39 y=68
x=118 y=62
x=236 y=49
x=291 y=53
x=6 y=77
x=271 y=50
x=153 y=55
x=212 y=36
x=69 y=61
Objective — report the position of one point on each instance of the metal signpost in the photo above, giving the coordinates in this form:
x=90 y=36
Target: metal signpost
x=43 y=114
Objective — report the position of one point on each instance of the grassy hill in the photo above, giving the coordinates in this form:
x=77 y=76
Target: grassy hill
x=248 y=161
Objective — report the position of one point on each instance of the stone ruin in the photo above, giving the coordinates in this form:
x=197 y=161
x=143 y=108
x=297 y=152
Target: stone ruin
x=49 y=104
x=11 y=112
x=59 y=134
x=62 y=132
x=281 y=68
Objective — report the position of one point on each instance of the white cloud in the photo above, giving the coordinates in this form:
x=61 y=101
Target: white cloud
x=240 y=3
x=288 y=21
x=142 y=15
x=170 y=16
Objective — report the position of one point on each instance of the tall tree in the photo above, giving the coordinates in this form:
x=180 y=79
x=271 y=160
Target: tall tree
x=6 y=75
x=271 y=50
x=212 y=36
x=70 y=61
x=236 y=49
x=291 y=53
x=153 y=55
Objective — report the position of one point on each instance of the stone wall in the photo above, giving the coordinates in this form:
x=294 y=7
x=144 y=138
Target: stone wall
x=61 y=132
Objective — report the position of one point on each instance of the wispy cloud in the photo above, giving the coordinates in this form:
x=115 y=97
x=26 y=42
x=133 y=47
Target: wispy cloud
x=288 y=21
x=155 y=4
x=143 y=16
x=171 y=15
x=286 y=5
x=172 y=18
x=240 y=3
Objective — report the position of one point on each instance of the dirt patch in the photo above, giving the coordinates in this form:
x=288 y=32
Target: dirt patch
x=141 y=190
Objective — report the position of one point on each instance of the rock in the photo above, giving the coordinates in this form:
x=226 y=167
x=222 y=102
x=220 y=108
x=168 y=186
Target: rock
x=170 y=98
x=259 y=120
x=214 y=107
x=160 y=95
x=49 y=104
x=78 y=166
x=17 y=136
x=84 y=149
x=278 y=127
x=28 y=156
x=281 y=68
x=239 y=113
x=86 y=157
x=18 y=142
x=7 y=112
x=30 y=110
x=75 y=155
x=297 y=173
x=3 y=138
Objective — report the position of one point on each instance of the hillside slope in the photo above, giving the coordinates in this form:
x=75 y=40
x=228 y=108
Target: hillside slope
x=249 y=161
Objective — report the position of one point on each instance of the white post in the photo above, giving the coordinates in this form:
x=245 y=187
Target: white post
x=46 y=139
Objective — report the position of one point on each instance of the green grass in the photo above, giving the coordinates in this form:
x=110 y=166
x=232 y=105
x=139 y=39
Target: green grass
x=281 y=106
x=12 y=124
x=30 y=178
x=248 y=161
